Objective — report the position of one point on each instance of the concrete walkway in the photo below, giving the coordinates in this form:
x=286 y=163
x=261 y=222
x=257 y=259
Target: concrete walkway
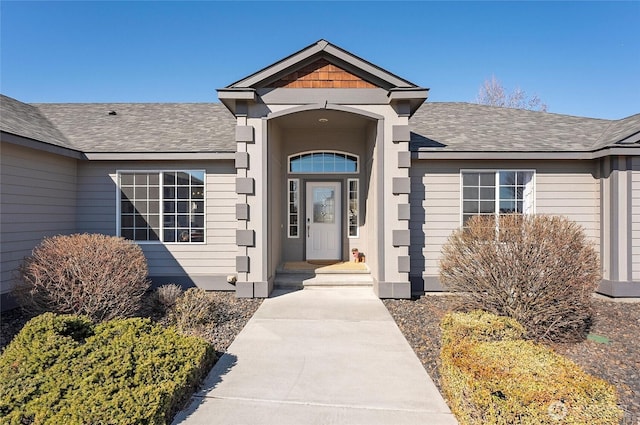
x=319 y=356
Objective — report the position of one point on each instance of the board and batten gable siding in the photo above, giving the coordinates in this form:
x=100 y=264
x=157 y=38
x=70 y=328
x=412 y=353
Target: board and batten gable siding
x=38 y=200
x=635 y=218
x=567 y=188
x=97 y=213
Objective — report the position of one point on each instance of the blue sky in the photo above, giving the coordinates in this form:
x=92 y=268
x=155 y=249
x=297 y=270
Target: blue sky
x=581 y=58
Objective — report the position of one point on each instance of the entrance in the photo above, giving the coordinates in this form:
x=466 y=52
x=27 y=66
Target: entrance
x=324 y=220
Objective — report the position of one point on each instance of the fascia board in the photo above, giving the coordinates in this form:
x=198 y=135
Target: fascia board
x=158 y=156
x=368 y=67
x=277 y=67
x=502 y=155
x=38 y=145
x=407 y=94
x=525 y=155
x=235 y=94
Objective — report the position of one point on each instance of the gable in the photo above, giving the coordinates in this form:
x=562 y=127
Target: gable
x=322 y=74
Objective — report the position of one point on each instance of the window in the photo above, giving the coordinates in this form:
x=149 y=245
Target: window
x=165 y=206
x=293 y=215
x=353 y=204
x=497 y=192
x=323 y=162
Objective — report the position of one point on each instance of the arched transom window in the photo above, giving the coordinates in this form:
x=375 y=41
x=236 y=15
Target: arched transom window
x=323 y=162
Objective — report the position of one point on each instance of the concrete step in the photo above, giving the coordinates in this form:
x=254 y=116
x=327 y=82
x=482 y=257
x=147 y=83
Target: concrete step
x=307 y=279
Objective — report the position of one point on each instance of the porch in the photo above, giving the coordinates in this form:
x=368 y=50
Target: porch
x=303 y=274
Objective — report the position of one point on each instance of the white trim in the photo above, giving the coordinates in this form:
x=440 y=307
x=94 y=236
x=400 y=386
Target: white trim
x=297 y=204
x=496 y=185
x=357 y=157
x=160 y=173
x=357 y=181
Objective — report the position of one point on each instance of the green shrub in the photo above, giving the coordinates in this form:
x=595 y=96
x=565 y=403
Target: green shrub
x=100 y=276
x=193 y=309
x=539 y=270
x=511 y=381
x=62 y=369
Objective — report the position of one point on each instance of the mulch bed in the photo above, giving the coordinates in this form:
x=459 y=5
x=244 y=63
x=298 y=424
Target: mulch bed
x=232 y=315
x=617 y=361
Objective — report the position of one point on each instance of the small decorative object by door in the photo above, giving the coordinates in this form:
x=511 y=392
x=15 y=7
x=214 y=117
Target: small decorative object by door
x=358 y=257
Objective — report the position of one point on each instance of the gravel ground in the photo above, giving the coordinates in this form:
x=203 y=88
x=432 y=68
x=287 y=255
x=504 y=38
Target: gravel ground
x=617 y=361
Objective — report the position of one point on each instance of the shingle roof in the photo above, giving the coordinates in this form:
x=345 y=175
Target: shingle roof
x=209 y=127
x=619 y=132
x=26 y=120
x=465 y=127
x=144 y=127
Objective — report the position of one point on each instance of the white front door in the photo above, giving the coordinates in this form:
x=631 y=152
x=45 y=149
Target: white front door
x=324 y=221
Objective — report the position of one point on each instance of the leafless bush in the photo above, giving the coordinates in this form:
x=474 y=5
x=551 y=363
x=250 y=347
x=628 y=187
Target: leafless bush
x=193 y=309
x=167 y=295
x=539 y=270
x=100 y=276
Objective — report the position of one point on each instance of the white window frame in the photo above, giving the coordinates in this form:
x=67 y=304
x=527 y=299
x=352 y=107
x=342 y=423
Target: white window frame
x=496 y=184
x=289 y=204
x=357 y=157
x=160 y=173
x=348 y=208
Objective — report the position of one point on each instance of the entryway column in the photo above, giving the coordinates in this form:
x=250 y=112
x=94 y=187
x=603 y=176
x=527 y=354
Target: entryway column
x=397 y=187
x=251 y=212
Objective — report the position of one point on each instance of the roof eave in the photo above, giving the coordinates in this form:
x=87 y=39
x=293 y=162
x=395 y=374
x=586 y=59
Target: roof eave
x=27 y=142
x=533 y=155
x=415 y=96
x=230 y=97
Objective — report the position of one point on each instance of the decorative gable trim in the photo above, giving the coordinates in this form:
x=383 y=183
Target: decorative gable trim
x=322 y=74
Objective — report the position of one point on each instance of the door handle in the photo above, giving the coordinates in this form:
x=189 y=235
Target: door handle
x=308 y=231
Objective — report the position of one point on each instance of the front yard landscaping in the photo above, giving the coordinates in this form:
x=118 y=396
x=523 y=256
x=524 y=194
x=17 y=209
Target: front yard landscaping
x=616 y=359
x=65 y=369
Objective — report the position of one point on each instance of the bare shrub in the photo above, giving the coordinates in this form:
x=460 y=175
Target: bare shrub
x=167 y=295
x=192 y=309
x=100 y=276
x=539 y=270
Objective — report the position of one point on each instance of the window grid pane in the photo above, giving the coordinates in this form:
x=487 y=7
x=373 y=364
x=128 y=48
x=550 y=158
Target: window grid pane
x=137 y=205
x=323 y=162
x=292 y=208
x=353 y=208
x=176 y=196
x=493 y=193
x=183 y=208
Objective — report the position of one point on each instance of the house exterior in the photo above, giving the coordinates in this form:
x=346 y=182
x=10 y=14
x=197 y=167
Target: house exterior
x=306 y=159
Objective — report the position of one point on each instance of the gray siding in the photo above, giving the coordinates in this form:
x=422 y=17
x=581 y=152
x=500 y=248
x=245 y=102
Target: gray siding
x=635 y=219
x=38 y=199
x=568 y=188
x=97 y=214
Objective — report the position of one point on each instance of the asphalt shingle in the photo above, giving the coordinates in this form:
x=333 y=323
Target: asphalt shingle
x=144 y=127
x=466 y=127
x=210 y=127
x=22 y=119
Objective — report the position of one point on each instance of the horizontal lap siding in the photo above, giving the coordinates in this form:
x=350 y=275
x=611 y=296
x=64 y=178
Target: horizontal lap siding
x=38 y=199
x=435 y=213
x=570 y=189
x=97 y=213
x=635 y=219
x=562 y=188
